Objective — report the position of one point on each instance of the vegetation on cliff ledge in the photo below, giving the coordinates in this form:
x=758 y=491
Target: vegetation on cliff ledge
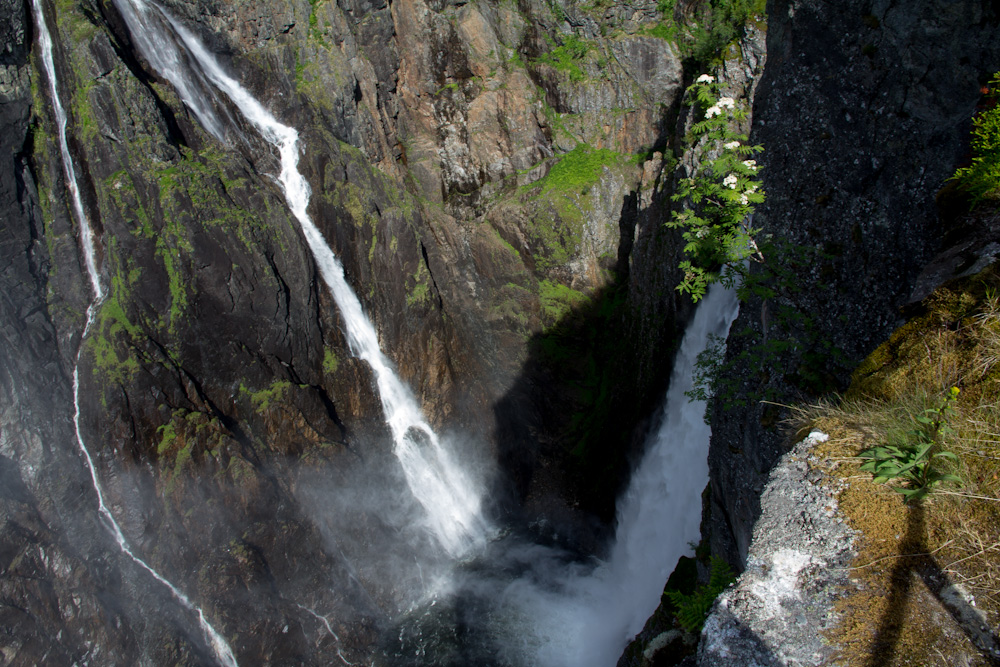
x=703 y=30
x=950 y=539
x=981 y=179
x=719 y=196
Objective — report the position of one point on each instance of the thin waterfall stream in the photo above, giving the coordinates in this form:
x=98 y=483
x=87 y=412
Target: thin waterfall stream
x=216 y=642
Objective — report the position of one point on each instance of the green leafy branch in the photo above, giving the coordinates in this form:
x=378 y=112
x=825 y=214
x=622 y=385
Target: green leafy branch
x=916 y=464
x=720 y=196
x=692 y=608
x=981 y=179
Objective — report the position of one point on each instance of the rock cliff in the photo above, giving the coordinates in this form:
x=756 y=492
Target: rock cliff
x=864 y=111
x=470 y=163
x=474 y=165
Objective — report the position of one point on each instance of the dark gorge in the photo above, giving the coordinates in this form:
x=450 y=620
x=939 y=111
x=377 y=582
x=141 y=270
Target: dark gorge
x=339 y=332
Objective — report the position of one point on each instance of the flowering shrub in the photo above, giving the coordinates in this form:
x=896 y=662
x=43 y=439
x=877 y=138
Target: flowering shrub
x=720 y=196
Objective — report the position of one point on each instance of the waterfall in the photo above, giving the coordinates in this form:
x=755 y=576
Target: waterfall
x=586 y=619
x=215 y=640
x=442 y=487
x=660 y=513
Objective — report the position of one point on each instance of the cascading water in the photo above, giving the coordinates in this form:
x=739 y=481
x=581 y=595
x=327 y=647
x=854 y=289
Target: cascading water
x=659 y=514
x=557 y=611
x=442 y=487
x=218 y=645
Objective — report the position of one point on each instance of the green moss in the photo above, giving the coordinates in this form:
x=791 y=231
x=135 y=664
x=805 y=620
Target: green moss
x=71 y=21
x=419 y=292
x=577 y=170
x=262 y=400
x=511 y=305
x=568 y=56
x=515 y=61
x=505 y=249
x=113 y=339
x=240 y=470
x=557 y=300
x=900 y=389
x=330 y=361
x=706 y=33
x=561 y=202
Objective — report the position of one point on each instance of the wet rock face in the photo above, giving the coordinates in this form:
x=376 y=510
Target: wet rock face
x=863 y=112
x=240 y=445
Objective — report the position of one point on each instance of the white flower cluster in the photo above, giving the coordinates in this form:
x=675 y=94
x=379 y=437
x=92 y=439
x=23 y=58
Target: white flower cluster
x=731 y=181
x=716 y=109
x=750 y=164
x=706 y=78
x=745 y=197
x=732 y=145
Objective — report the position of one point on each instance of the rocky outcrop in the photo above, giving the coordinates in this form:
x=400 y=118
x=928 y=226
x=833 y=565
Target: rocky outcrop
x=863 y=112
x=782 y=606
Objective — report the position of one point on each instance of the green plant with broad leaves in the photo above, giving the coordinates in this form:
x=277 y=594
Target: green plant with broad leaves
x=719 y=197
x=916 y=464
x=692 y=608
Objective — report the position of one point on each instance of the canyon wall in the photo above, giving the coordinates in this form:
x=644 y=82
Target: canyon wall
x=470 y=163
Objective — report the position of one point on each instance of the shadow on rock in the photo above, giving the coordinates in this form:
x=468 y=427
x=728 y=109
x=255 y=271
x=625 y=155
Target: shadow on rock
x=577 y=415
x=914 y=559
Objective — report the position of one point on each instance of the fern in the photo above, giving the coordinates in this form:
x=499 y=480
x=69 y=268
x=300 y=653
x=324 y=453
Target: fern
x=692 y=608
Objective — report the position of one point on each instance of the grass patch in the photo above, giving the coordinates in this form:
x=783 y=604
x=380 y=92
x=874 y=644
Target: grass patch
x=558 y=300
x=561 y=201
x=578 y=170
x=704 y=34
x=568 y=56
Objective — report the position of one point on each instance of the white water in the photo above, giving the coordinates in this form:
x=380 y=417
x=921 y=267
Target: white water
x=215 y=640
x=442 y=487
x=582 y=620
x=329 y=629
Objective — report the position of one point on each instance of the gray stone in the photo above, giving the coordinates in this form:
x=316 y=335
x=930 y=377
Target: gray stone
x=777 y=611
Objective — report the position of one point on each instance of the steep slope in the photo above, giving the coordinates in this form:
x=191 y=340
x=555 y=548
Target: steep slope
x=863 y=110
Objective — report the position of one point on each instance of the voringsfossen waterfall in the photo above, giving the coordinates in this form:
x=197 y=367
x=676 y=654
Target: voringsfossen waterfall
x=522 y=603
